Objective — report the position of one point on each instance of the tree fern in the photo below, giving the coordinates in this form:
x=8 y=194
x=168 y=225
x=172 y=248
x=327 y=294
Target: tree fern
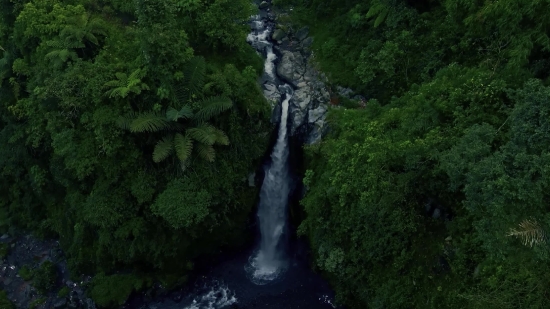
x=529 y=232
x=213 y=107
x=163 y=149
x=204 y=134
x=206 y=152
x=149 y=122
x=193 y=76
x=125 y=84
x=184 y=146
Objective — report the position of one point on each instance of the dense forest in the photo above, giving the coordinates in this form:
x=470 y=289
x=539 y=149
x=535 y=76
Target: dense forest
x=128 y=130
x=437 y=193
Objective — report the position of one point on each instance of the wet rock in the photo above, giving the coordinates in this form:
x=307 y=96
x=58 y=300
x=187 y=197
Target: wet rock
x=317 y=114
x=344 y=92
x=278 y=35
x=302 y=33
x=251 y=178
x=306 y=43
x=263 y=5
x=436 y=214
x=291 y=68
x=60 y=303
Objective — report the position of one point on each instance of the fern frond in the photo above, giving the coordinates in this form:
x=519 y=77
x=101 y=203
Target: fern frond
x=212 y=107
x=173 y=115
x=206 y=152
x=194 y=75
x=375 y=10
x=184 y=147
x=221 y=137
x=529 y=232
x=92 y=38
x=148 y=122
x=381 y=17
x=181 y=96
x=163 y=149
x=122 y=77
x=124 y=122
x=203 y=134
x=137 y=75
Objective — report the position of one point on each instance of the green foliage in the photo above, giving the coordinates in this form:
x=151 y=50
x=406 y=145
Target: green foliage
x=63 y=292
x=454 y=117
x=112 y=291
x=5 y=303
x=44 y=277
x=182 y=204
x=26 y=273
x=37 y=302
x=90 y=92
x=125 y=85
x=4 y=250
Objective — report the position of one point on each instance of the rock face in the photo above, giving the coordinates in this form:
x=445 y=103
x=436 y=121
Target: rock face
x=25 y=250
x=289 y=60
x=311 y=97
x=264 y=5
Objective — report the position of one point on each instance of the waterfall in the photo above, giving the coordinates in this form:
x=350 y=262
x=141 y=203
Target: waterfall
x=268 y=262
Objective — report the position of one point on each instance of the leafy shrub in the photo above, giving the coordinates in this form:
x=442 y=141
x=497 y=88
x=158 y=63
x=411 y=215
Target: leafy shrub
x=5 y=303
x=4 y=250
x=45 y=277
x=26 y=273
x=63 y=292
x=113 y=290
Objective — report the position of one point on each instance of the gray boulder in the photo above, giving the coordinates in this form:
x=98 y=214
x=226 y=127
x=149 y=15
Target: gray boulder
x=278 y=35
x=302 y=33
x=263 y=5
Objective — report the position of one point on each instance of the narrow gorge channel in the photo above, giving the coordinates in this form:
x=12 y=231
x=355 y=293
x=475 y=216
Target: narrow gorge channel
x=273 y=273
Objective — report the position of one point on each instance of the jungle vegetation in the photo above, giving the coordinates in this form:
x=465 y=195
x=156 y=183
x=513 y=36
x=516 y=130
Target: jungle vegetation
x=458 y=120
x=128 y=130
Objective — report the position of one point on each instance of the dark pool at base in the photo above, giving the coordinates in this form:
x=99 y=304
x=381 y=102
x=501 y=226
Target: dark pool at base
x=298 y=288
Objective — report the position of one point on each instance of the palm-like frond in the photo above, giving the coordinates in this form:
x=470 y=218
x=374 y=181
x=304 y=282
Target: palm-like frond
x=204 y=134
x=124 y=122
x=125 y=84
x=221 y=137
x=184 y=146
x=181 y=95
x=163 y=149
x=212 y=107
x=149 y=122
x=206 y=152
x=173 y=114
x=193 y=77
x=529 y=232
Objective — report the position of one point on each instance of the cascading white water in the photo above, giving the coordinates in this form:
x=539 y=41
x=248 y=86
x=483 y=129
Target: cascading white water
x=217 y=296
x=268 y=263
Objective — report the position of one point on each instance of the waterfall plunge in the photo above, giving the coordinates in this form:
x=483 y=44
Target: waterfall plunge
x=268 y=263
